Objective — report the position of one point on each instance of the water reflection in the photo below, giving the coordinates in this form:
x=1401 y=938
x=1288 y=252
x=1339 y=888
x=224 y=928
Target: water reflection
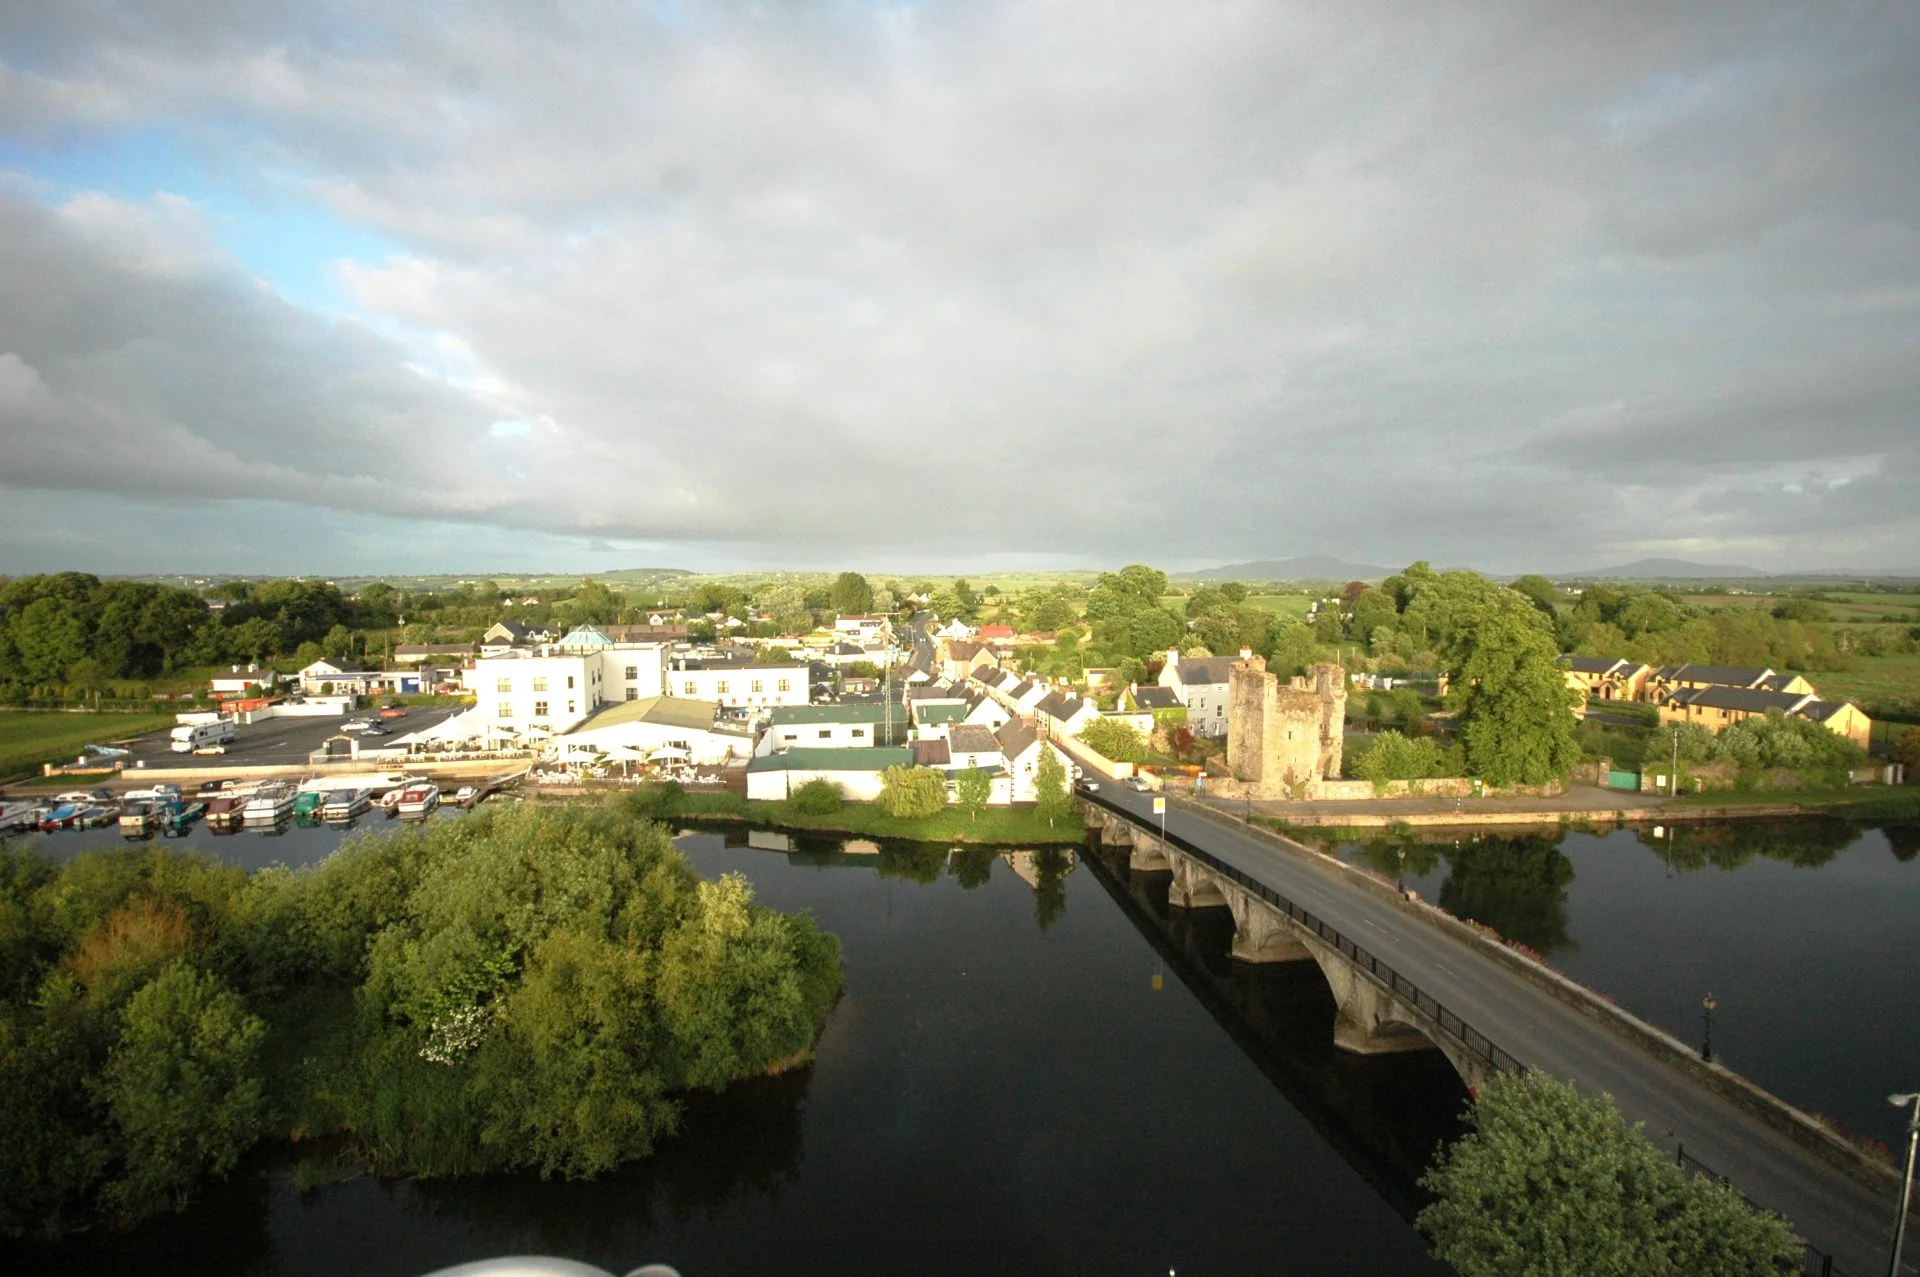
x=1805 y=844
x=1515 y=883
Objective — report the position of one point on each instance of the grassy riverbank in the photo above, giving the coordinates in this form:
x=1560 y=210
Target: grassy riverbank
x=1017 y=826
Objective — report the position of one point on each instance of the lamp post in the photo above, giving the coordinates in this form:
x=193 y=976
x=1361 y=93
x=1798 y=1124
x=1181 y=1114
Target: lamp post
x=1906 y=1182
x=1707 y=1004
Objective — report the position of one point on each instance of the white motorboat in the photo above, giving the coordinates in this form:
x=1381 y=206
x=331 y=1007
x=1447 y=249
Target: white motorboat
x=345 y=804
x=269 y=804
x=419 y=800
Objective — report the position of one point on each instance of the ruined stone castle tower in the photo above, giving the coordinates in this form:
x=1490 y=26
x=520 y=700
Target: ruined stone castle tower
x=1281 y=739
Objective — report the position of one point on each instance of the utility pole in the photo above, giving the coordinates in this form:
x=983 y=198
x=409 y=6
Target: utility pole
x=1906 y=1182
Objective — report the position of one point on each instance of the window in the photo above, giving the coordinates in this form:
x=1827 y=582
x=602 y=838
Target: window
x=569 y=681
x=692 y=688
x=570 y=707
x=633 y=693
x=826 y=733
x=506 y=709
x=789 y=736
x=786 y=685
x=758 y=685
x=540 y=683
x=539 y=709
x=859 y=733
x=721 y=687
x=503 y=685
x=633 y=672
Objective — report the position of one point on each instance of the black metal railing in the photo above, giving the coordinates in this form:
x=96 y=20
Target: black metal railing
x=1475 y=1043
x=1814 y=1262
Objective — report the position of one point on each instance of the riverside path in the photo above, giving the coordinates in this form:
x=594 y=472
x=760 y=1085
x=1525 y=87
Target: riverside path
x=1840 y=1214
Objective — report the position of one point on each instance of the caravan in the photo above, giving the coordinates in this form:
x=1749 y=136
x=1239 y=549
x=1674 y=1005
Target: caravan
x=191 y=738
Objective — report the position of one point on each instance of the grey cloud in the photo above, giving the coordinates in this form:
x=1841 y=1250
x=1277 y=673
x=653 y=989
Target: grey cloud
x=1196 y=281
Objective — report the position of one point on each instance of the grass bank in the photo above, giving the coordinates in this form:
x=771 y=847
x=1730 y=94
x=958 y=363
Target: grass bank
x=997 y=825
x=29 y=738
x=1857 y=802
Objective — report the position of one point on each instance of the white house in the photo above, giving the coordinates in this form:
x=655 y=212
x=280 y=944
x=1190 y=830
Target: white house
x=340 y=678
x=1021 y=748
x=864 y=631
x=1066 y=714
x=828 y=727
x=545 y=692
x=970 y=746
x=857 y=771
x=245 y=681
x=954 y=629
x=1200 y=683
x=739 y=684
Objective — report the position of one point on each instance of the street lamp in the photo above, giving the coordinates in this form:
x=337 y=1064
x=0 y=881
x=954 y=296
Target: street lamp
x=1707 y=1004
x=1906 y=1182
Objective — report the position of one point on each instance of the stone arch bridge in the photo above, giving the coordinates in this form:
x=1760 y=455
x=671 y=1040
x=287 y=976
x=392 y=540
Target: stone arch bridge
x=1379 y=1009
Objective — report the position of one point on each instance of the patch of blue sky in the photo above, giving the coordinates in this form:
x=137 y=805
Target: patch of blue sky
x=270 y=225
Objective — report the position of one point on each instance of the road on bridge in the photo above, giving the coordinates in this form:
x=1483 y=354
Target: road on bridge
x=1829 y=1209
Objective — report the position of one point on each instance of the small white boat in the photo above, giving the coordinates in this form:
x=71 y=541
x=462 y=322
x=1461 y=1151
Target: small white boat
x=345 y=804
x=269 y=804
x=376 y=782
x=419 y=800
x=161 y=793
x=19 y=815
x=94 y=817
x=466 y=796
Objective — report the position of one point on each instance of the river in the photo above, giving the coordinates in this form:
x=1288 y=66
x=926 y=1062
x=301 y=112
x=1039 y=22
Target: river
x=1037 y=1066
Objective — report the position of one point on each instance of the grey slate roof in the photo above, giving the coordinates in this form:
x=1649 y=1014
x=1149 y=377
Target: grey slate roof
x=1210 y=669
x=1015 y=736
x=971 y=738
x=1155 y=698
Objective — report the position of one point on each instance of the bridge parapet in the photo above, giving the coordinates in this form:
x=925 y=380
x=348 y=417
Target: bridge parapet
x=1392 y=1001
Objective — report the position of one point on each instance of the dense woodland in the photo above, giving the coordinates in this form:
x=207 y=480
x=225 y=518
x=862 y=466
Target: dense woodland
x=527 y=987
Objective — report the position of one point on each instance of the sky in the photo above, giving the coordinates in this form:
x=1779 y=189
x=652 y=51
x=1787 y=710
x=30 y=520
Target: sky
x=512 y=286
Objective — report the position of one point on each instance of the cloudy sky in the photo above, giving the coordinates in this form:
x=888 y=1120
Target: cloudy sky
x=578 y=286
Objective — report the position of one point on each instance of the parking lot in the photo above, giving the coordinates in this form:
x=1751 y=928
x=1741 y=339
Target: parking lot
x=280 y=742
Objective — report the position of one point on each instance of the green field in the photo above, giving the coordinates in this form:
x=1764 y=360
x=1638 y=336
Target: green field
x=29 y=738
x=1883 y=686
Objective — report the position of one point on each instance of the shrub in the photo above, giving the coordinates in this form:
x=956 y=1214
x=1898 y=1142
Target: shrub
x=912 y=793
x=1115 y=740
x=818 y=797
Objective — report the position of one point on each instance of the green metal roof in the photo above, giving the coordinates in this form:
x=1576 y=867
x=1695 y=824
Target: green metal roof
x=668 y=711
x=833 y=760
x=789 y=715
x=936 y=714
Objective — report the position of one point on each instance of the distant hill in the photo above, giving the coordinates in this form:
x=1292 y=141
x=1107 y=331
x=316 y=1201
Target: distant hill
x=1664 y=570
x=1306 y=567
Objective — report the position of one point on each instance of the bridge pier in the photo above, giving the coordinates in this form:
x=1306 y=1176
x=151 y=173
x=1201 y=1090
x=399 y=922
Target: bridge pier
x=1193 y=887
x=1260 y=933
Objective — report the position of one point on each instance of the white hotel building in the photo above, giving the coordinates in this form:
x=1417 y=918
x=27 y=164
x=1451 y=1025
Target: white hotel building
x=549 y=690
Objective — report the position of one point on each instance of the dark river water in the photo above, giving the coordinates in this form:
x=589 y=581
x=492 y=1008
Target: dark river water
x=1036 y=1068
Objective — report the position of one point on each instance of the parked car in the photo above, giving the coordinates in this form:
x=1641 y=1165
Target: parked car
x=1138 y=785
x=211 y=749
x=374 y=729
x=356 y=725
x=393 y=711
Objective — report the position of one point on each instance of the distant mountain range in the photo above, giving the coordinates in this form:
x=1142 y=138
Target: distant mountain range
x=1664 y=570
x=1306 y=567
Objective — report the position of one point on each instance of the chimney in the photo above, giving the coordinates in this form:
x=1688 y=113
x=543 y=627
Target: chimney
x=1246 y=653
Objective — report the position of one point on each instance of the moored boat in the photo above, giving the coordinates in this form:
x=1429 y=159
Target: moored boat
x=94 y=817
x=419 y=800
x=345 y=804
x=178 y=818
x=269 y=804
x=307 y=802
x=60 y=817
x=139 y=819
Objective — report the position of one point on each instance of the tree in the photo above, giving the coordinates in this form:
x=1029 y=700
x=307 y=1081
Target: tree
x=972 y=789
x=183 y=1088
x=1540 y=592
x=912 y=793
x=1906 y=751
x=787 y=605
x=1115 y=740
x=1515 y=708
x=1550 y=1181
x=1050 y=787
x=851 y=595
x=49 y=636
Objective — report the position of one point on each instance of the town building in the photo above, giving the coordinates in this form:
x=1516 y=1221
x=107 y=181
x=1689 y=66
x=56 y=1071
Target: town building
x=657 y=729
x=1200 y=683
x=739 y=684
x=773 y=777
x=843 y=726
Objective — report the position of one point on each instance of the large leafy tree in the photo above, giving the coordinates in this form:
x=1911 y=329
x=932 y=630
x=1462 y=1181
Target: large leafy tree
x=972 y=790
x=1548 y=1181
x=1050 y=787
x=1516 y=710
x=851 y=594
x=912 y=793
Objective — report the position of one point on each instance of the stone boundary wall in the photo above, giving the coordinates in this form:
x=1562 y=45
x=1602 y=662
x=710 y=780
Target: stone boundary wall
x=1808 y=1133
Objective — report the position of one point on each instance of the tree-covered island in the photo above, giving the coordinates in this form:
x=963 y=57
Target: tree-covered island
x=528 y=987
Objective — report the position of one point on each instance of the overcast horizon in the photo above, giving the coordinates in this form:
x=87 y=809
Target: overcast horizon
x=358 y=288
